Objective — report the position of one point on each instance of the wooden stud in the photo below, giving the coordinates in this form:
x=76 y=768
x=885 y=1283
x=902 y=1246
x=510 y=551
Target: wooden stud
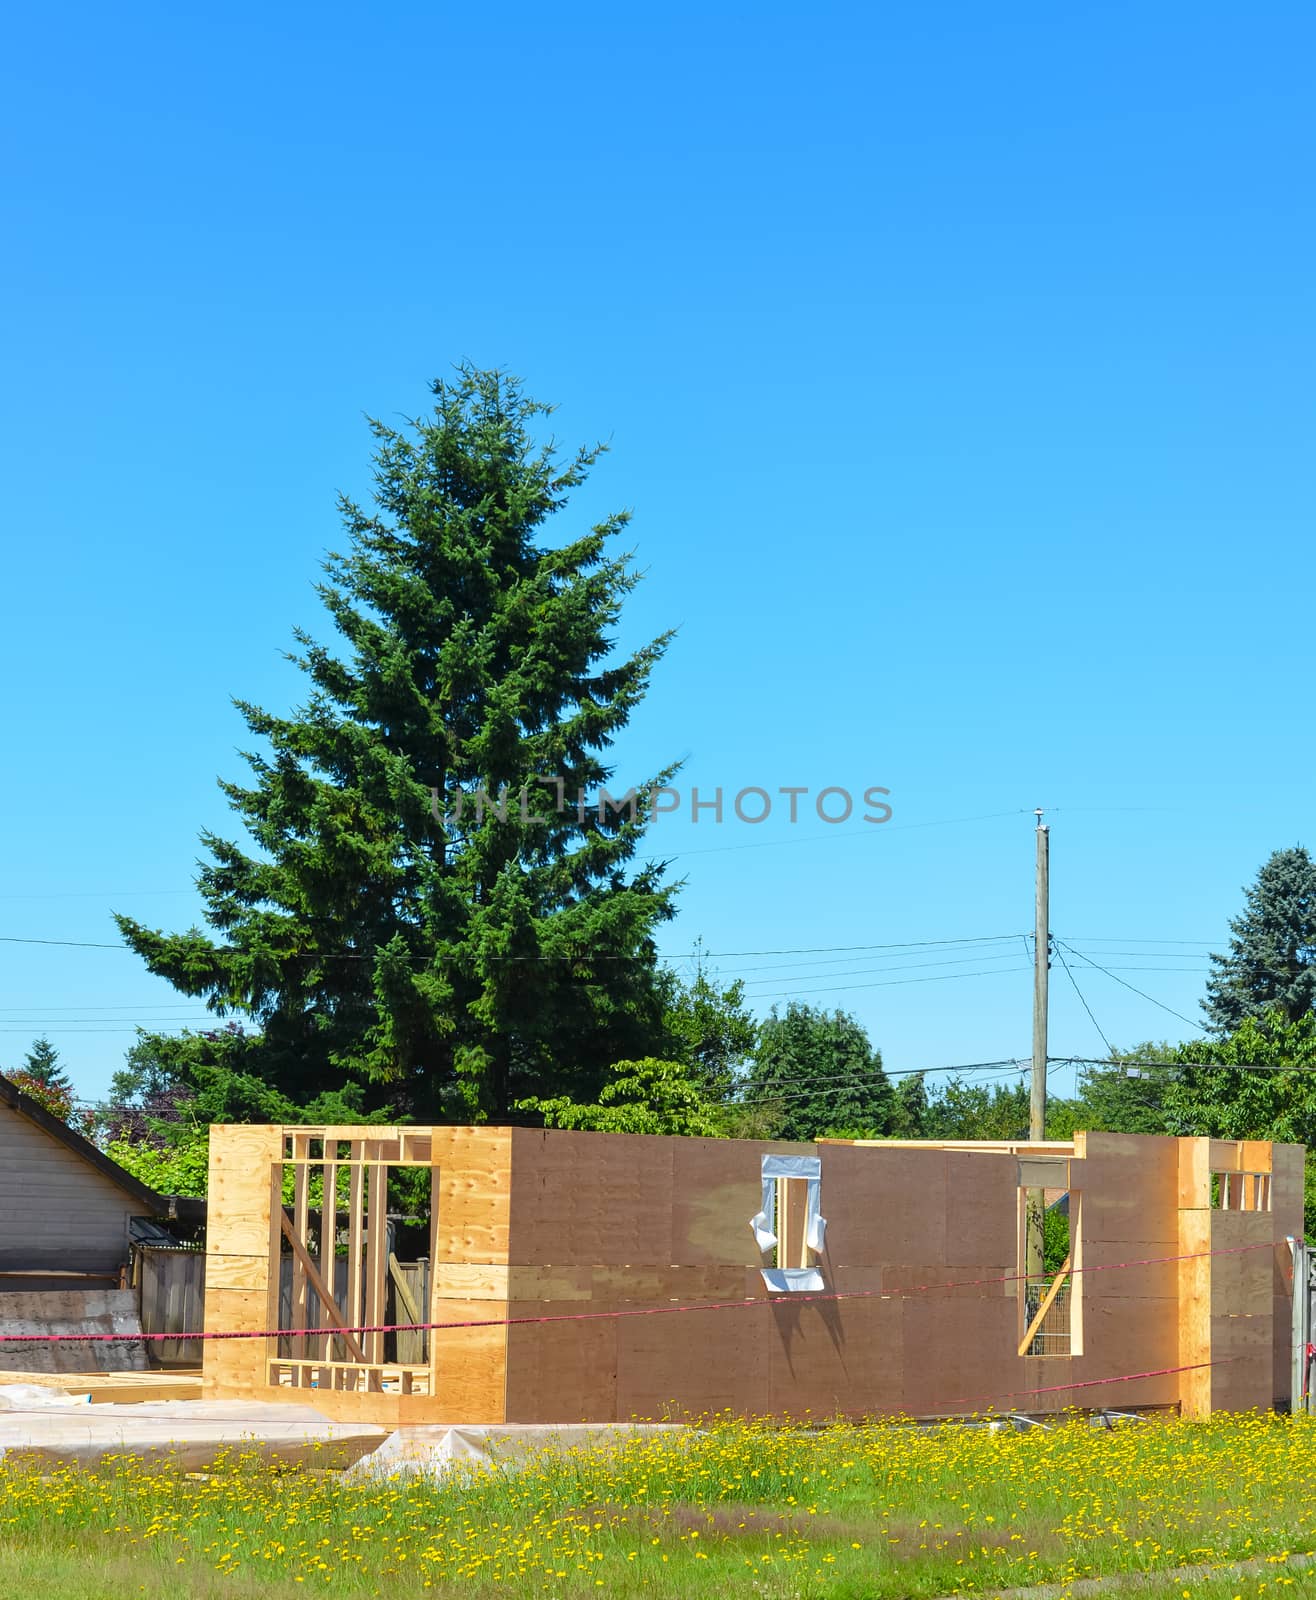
x=356 y=1184
x=376 y=1259
x=329 y=1231
x=313 y=1278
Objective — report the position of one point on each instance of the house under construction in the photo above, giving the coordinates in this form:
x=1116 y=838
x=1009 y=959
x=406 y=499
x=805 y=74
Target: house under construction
x=600 y=1277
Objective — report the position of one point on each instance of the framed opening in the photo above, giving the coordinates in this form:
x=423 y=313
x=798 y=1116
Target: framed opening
x=1050 y=1242
x=353 y=1235
x=789 y=1228
x=1240 y=1191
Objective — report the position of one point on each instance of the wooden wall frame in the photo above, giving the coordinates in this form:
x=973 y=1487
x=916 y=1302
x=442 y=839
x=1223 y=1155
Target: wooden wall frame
x=545 y=1245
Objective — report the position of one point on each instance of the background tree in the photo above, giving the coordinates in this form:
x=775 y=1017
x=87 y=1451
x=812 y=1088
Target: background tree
x=960 y=1110
x=1127 y=1095
x=709 y=1028
x=818 y=1075
x=156 y=1122
x=648 y=1096
x=910 y=1112
x=42 y=1066
x=455 y=957
x=1271 y=964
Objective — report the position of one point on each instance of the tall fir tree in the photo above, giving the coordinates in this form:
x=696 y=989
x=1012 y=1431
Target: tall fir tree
x=1271 y=963
x=439 y=904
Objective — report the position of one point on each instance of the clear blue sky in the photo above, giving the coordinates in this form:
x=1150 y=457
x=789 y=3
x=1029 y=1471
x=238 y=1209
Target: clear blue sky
x=957 y=366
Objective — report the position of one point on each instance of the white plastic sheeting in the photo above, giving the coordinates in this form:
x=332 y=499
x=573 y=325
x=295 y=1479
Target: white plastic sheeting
x=787 y=1280
x=50 y=1426
x=442 y=1449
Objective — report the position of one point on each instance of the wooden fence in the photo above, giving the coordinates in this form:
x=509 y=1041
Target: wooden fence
x=171 y=1285
x=170 y=1282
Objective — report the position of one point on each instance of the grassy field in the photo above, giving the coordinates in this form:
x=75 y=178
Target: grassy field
x=840 y=1511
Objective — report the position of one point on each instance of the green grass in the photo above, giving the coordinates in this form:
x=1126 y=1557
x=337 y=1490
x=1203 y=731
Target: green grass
x=881 y=1511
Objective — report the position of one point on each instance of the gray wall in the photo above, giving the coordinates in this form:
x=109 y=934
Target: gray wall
x=57 y=1212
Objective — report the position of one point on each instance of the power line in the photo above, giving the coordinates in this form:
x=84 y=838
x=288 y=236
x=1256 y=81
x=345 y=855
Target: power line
x=895 y=951
x=1060 y=952
x=1152 y=998
x=1181 y=1066
x=566 y=955
x=892 y=983
x=858 y=972
x=1129 y=938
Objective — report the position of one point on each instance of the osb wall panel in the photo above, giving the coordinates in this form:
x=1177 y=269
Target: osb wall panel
x=698 y=1362
x=1131 y=1189
x=823 y=1357
x=885 y=1205
x=631 y=1199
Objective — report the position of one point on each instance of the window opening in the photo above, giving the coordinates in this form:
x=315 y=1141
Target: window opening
x=789 y=1228
x=1240 y=1191
x=1048 y=1247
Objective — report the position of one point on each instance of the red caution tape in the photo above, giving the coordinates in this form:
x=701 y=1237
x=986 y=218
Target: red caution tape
x=598 y=1316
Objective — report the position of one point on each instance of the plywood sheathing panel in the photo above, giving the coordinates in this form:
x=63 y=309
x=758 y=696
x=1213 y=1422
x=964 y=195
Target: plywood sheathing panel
x=562 y=1371
x=716 y=1189
x=936 y=1280
x=828 y=1360
x=982 y=1208
x=1131 y=1189
x=590 y=1198
x=242 y=1253
x=885 y=1205
x=1125 y=1336
x=1286 y=1182
x=961 y=1361
x=1286 y=1206
x=1105 y=1275
x=468 y=1365
x=694 y=1364
x=474 y=1193
x=1242 y=1273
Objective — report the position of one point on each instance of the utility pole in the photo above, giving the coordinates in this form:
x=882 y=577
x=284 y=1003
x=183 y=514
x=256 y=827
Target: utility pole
x=1035 y=1202
x=1041 y=972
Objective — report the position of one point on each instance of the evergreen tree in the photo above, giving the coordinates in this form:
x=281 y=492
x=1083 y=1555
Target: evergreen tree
x=439 y=903
x=710 y=1028
x=819 y=1075
x=1271 y=964
x=42 y=1066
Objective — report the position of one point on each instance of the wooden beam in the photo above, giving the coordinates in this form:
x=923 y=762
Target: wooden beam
x=1048 y=1301
x=403 y=1292
x=326 y=1299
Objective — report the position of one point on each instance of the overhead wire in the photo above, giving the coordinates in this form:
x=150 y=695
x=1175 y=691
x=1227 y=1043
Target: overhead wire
x=1082 y=998
x=1140 y=992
